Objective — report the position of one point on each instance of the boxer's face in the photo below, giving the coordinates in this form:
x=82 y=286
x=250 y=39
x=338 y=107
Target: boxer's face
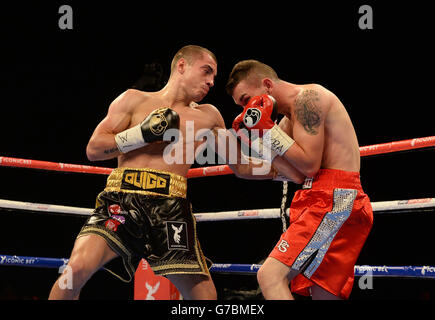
x=245 y=90
x=199 y=77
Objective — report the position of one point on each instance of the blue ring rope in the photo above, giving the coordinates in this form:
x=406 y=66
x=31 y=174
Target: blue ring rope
x=375 y=271
x=32 y=261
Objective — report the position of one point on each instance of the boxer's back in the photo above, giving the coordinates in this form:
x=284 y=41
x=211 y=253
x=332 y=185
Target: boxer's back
x=341 y=149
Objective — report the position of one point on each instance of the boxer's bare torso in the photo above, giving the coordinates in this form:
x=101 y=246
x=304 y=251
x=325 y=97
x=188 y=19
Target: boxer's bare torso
x=316 y=119
x=137 y=105
x=304 y=118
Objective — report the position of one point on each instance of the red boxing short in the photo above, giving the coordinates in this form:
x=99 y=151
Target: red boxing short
x=330 y=219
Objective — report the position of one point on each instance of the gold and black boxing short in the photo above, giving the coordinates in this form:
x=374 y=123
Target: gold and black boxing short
x=144 y=213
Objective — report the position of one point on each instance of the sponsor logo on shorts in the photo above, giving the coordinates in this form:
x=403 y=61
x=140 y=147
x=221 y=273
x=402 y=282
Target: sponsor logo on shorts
x=114 y=209
x=177 y=235
x=112 y=224
x=119 y=218
x=144 y=180
x=282 y=246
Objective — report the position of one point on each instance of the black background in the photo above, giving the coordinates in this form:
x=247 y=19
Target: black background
x=56 y=86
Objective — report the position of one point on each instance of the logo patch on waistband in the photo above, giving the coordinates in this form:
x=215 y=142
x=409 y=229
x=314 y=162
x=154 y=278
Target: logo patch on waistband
x=177 y=235
x=308 y=183
x=147 y=181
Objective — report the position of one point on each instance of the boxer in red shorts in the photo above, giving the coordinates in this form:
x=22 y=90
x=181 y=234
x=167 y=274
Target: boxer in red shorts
x=331 y=216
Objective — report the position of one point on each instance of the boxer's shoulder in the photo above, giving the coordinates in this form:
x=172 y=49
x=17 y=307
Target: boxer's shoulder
x=207 y=107
x=312 y=92
x=209 y=112
x=130 y=99
x=134 y=94
x=312 y=98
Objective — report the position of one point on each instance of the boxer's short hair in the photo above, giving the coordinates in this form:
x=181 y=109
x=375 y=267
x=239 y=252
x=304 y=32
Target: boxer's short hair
x=190 y=53
x=252 y=70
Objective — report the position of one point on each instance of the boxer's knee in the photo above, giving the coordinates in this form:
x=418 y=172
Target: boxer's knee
x=266 y=278
x=271 y=274
x=80 y=271
x=74 y=276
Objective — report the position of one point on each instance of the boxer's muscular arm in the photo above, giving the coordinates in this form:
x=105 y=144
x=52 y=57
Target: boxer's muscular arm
x=246 y=167
x=256 y=169
x=228 y=148
x=243 y=166
x=284 y=167
x=102 y=145
x=311 y=107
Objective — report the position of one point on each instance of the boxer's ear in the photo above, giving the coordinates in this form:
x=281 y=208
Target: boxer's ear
x=267 y=84
x=181 y=65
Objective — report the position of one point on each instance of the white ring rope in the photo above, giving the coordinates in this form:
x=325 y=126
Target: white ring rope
x=381 y=206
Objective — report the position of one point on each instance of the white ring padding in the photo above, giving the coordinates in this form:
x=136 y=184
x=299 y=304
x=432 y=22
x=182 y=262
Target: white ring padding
x=40 y=207
x=239 y=215
x=381 y=206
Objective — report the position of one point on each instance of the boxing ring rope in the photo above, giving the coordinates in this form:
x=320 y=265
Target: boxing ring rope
x=375 y=271
x=378 y=207
x=389 y=147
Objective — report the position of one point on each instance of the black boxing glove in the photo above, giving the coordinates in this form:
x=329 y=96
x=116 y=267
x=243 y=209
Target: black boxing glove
x=150 y=130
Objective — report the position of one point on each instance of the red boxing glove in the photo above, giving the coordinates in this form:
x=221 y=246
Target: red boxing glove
x=260 y=112
x=251 y=140
x=238 y=123
x=237 y=126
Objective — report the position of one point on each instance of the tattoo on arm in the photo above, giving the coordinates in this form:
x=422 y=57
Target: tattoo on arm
x=307 y=112
x=108 y=151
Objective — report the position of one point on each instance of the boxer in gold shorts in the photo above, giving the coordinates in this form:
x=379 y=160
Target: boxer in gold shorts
x=144 y=213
